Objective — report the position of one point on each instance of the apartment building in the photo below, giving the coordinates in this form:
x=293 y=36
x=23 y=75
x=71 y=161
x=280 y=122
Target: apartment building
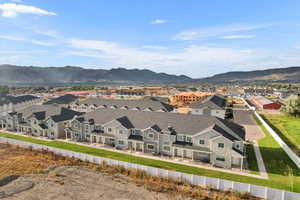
x=153 y=105
x=40 y=120
x=12 y=103
x=184 y=98
x=214 y=105
x=195 y=137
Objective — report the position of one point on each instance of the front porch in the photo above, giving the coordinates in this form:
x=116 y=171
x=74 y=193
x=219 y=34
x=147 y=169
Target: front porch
x=105 y=140
x=191 y=154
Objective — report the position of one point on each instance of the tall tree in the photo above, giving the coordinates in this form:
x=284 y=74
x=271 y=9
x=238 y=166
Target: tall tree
x=292 y=106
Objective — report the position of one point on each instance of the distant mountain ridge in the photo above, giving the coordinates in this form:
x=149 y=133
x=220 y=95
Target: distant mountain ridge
x=30 y=75
x=289 y=74
x=18 y=75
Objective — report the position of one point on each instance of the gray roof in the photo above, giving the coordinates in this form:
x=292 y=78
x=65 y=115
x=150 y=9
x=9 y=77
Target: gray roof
x=16 y=99
x=42 y=112
x=214 y=102
x=65 y=99
x=119 y=103
x=180 y=123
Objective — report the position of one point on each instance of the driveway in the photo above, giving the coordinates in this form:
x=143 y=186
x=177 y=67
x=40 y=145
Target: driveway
x=245 y=118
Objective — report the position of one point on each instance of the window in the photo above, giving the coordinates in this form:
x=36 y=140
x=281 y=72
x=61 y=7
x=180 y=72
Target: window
x=189 y=139
x=167 y=148
x=221 y=145
x=109 y=130
x=120 y=132
x=52 y=133
x=179 y=137
x=201 y=142
x=150 y=135
x=150 y=146
x=220 y=158
x=121 y=142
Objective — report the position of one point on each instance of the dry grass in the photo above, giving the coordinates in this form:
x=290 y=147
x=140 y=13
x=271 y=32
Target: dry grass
x=18 y=161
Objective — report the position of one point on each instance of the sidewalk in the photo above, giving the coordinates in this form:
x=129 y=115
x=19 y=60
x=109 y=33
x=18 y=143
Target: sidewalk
x=260 y=161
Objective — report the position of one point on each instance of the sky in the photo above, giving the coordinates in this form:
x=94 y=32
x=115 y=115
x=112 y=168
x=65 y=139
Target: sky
x=195 y=38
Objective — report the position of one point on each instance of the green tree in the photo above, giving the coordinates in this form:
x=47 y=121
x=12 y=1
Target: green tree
x=292 y=106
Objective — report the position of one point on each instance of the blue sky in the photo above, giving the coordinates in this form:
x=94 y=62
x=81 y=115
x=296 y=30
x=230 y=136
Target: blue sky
x=195 y=38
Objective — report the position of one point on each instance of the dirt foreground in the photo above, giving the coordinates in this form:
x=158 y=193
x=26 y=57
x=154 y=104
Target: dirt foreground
x=26 y=174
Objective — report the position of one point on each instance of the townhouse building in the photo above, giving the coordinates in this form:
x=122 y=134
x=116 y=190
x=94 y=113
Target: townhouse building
x=40 y=120
x=214 y=105
x=195 y=137
x=12 y=103
x=92 y=104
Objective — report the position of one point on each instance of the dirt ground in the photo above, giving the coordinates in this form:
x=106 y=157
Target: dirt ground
x=26 y=174
x=76 y=183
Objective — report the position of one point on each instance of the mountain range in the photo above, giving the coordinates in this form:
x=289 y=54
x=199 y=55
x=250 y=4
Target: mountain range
x=20 y=75
x=30 y=75
x=282 y=75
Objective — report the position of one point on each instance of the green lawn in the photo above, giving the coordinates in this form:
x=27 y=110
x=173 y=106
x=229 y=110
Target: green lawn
x=251 y=158
x=281 y=169
x=275 y=182
x=288 y=128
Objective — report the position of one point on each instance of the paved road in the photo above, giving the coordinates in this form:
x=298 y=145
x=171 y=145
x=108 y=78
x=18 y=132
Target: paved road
x=245 y=118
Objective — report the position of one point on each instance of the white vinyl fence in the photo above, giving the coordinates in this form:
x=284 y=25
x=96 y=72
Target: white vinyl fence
x=283 y=145
x=221 y=184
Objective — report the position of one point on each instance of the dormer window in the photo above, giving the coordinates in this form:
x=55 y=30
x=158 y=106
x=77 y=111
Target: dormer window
x=221 y=145
x=109 y=130
x=201 y=142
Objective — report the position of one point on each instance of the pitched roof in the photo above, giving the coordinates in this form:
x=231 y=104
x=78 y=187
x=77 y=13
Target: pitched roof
x=65 y=99
x=42 y=112
x=184 y=124
x=155 y=105
x=16 y=99
x=65 y=114
x=214 y=102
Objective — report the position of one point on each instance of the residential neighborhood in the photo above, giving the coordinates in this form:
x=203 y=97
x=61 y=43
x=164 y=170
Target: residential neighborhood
x=168 y=100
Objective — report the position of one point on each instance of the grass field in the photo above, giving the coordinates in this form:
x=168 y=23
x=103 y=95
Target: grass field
x=276 y=180
x=251 y=158
x=288 y=128
x=280 y=167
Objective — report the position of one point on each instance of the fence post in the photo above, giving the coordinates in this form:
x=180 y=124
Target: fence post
x=283 y=195
x=218 y=186
x=266 y=193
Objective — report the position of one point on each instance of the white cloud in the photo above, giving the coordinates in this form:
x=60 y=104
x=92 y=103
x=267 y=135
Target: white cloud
x=14 y=38
x=198 y=34
x=154 y=47
x=48 y=33
x=237 y=36
x=158 y=21
x=193 y=60
x=11 y=10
